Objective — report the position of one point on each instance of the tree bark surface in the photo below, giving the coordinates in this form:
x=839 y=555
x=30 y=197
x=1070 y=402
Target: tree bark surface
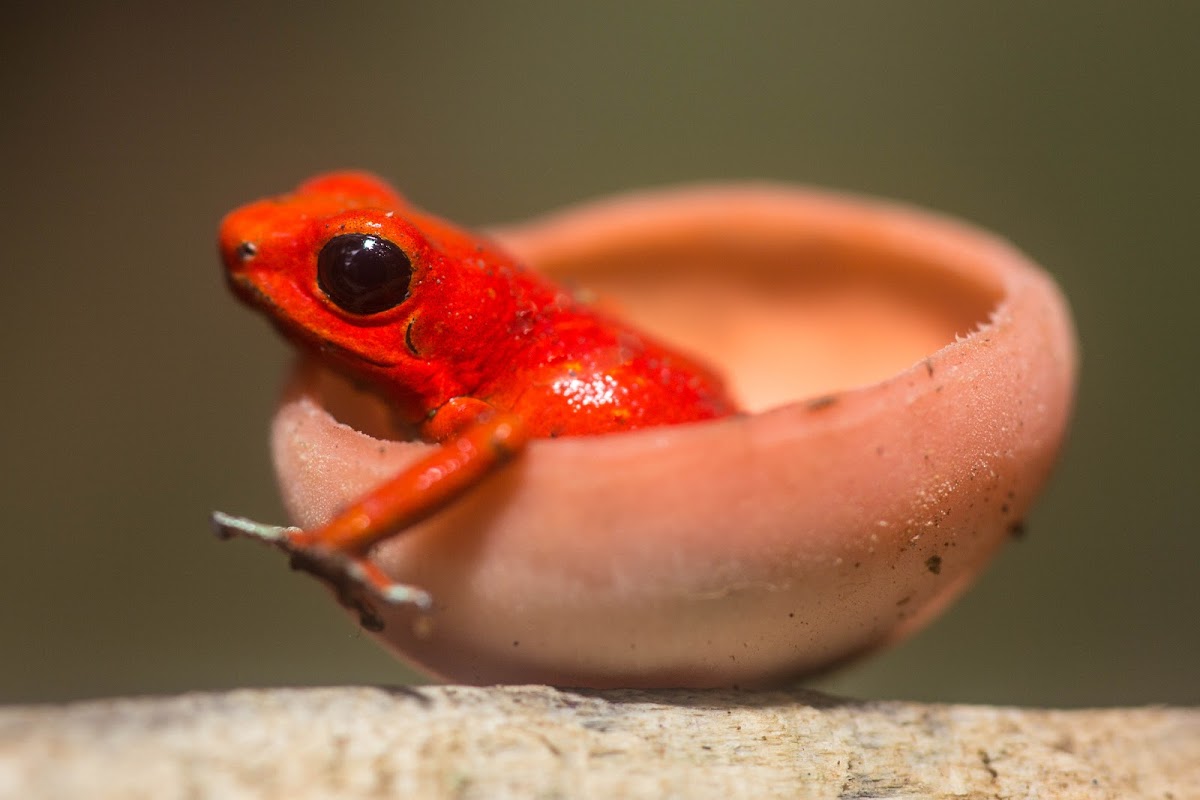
x=539 y=742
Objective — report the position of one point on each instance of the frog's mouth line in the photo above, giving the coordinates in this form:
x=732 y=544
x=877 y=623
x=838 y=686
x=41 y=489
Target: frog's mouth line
x=250 y=293
x=253 y=295
x=329 y=347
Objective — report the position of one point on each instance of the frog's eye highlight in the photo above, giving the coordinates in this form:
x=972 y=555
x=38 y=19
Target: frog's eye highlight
x=363 y=274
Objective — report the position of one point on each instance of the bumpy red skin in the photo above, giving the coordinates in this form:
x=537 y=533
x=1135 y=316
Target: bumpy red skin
x=481 y=325
x=481 y=356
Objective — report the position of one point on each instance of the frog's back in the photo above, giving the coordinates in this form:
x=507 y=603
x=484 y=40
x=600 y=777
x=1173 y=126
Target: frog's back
x=583 y=373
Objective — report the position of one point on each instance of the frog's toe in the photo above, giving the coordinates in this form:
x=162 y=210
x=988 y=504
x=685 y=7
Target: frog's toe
x=375 y=580
x=228 y=526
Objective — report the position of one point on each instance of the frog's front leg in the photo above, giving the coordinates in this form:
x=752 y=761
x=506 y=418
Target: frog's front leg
x=475 y=439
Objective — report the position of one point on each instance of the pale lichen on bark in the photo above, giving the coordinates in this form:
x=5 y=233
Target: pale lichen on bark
x=535 y=741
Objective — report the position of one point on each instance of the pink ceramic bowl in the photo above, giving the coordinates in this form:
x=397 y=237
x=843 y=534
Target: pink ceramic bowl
x=910 y=381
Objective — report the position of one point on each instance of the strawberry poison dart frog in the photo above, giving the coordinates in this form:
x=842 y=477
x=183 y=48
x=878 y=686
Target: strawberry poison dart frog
x=473 y=350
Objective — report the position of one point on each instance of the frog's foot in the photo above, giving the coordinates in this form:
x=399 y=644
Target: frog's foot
x=331 y=565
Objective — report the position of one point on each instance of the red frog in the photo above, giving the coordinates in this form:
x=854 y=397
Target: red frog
x=473 y=350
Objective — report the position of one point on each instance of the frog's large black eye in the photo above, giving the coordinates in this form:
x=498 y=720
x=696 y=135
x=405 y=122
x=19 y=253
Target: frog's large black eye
x=363 y=274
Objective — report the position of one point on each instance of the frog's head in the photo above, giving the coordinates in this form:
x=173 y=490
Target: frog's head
x=350 y=271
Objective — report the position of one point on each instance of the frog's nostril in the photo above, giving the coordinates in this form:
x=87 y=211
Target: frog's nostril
x=246 y=251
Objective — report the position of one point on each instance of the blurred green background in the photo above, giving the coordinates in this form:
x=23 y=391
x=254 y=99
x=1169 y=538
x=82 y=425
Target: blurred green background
x=136 y=392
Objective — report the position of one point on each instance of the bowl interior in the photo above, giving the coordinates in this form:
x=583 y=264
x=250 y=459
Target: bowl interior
x=797 y=317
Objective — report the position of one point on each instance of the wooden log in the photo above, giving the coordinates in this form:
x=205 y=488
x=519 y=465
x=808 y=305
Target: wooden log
x=535 y=741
